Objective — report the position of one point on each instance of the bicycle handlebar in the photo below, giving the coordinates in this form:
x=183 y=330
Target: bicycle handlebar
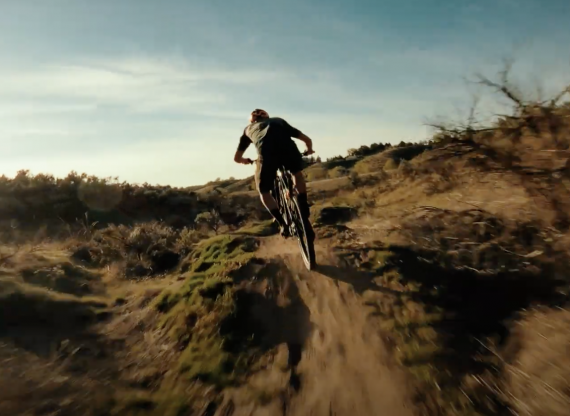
x=305 y=153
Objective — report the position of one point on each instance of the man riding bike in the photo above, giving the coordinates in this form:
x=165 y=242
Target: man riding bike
x=271 y=137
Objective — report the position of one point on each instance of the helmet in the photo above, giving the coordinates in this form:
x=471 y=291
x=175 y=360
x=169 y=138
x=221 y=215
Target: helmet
x=255 y=114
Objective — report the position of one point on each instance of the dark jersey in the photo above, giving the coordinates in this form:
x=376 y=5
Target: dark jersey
x=266 y=132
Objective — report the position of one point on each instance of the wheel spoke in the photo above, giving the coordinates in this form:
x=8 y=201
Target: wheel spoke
x=289 y=208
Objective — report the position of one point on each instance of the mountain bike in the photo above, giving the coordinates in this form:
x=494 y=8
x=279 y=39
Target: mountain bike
x=285 y=195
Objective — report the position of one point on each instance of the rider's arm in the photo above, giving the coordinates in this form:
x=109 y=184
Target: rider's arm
x=244 y=143
x=297 y=134
x=238 y=158
x=307 y=140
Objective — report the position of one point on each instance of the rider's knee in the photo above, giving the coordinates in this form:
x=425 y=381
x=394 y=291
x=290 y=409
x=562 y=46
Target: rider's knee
x=299 y=177
x=299 y=180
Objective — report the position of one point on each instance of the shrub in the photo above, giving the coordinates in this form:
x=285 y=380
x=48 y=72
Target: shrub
x=338 y=172
x=316 y=173
x=210 y=219
x=370 y=164
x=390 y=164
x=405 y=168
x=362 y=166
x=189 y=238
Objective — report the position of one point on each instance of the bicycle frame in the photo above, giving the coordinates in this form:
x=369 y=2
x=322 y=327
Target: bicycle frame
x=285 y=194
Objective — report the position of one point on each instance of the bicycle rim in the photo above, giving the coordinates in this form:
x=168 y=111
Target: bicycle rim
x=293 y=213
x=305 y=244
x=280 y=197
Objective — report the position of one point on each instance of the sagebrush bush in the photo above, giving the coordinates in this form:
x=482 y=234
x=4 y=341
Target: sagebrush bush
x=363 y=166
x=390 y=165
x=316 y=173
x=121 y=242
x=338 y=172
x=144 y=236
x=188 y=237
x=405 y=169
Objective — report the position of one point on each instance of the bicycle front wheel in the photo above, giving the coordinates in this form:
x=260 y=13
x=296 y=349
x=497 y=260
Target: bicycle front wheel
x=306 y=244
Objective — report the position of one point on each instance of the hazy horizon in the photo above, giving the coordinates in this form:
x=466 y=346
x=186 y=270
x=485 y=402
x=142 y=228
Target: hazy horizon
x=159 y=92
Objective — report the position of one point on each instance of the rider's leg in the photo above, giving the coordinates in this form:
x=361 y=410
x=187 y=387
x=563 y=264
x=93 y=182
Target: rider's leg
x=264 y=178
x=301 y=186
x=300 y=183
x=294 y=163
x=273 y=209
x=271 y=206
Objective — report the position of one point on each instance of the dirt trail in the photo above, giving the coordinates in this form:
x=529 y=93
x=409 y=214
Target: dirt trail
x=341 y=366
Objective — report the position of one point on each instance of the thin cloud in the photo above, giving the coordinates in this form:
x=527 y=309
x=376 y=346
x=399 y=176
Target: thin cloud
x=137 y=84
x=19 y=107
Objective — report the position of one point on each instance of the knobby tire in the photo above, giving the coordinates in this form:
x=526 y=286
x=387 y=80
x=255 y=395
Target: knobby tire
x=292 y=214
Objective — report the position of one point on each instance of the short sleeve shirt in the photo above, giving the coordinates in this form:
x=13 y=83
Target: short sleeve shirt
x=266 y=131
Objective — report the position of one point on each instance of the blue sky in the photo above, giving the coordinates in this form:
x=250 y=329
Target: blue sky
x=159 y=91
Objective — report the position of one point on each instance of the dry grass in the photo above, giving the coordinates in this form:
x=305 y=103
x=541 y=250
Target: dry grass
x=32 y=385
x=537 y=377
x=448 y=322
x=108 y=343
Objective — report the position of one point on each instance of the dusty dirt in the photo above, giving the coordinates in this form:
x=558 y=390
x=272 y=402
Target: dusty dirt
x=337 y=361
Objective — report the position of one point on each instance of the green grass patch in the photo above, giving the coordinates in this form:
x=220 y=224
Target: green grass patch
x=220 y=253
x=206 y=360
x=167 y=300
x=258 y=229
x=196 y=315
